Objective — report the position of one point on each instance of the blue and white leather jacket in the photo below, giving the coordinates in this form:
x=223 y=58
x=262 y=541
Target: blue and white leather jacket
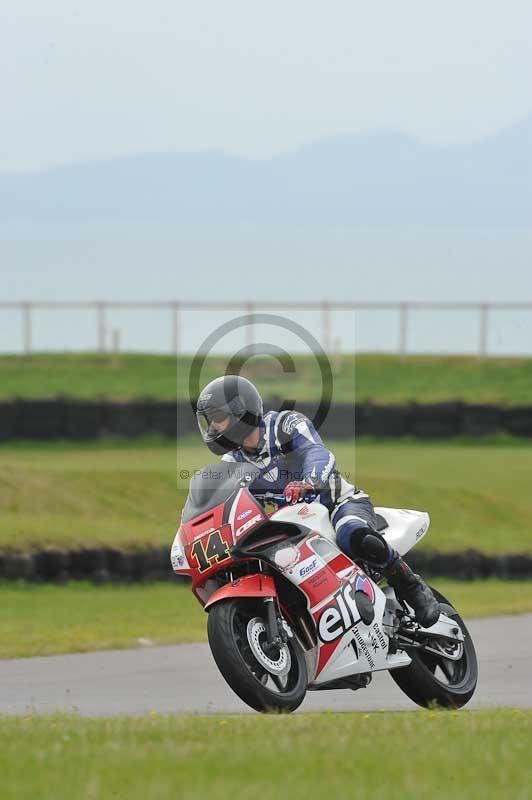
x=290 y=449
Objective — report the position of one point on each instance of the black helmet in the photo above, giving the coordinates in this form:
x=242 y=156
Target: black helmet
x=230 y=398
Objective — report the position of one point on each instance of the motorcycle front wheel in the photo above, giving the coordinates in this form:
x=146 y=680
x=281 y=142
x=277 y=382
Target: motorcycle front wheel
x=433 y=679
x=264 y=678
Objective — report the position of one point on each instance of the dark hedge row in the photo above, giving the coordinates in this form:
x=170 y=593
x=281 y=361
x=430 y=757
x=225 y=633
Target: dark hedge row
x=102 y=565
x=72 y=419
x=98 y=564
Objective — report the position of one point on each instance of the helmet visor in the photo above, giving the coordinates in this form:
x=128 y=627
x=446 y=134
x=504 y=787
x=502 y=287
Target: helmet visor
x=215 y=422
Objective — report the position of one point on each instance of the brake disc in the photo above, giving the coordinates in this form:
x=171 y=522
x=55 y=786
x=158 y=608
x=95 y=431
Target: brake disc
x=256 y=633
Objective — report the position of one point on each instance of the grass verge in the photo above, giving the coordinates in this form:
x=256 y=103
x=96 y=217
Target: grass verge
x=477 y=755
x=39 y=620
x=382 y=378
x=131 y=494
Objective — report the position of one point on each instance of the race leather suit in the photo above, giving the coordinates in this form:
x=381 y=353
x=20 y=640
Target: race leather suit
x=290 y=449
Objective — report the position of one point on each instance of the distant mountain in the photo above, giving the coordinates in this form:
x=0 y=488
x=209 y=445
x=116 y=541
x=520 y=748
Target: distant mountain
x=383 y=178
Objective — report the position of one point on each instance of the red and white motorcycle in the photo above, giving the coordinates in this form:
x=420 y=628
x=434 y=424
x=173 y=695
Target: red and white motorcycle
x=288 y=611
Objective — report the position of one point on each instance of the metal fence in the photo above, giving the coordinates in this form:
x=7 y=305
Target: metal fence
x=325 y=309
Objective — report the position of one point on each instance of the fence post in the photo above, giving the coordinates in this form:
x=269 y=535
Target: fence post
x=403 y=328
x=26 y=311
x=175 y=329
x=326 y=325
x=250 y=308
x=483 y=330
x=115 y=353
x=101 y=327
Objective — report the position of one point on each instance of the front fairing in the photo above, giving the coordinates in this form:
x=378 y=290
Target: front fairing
x=210 y=529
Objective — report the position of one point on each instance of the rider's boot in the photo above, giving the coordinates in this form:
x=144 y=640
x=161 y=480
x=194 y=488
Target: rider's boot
x=370 y=545
x=411 y=588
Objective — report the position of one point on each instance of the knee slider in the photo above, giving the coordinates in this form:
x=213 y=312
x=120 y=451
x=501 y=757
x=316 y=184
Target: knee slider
x=375 y=548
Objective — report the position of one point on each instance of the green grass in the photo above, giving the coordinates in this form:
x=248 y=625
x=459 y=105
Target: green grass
x=40 y=620
x=481 y=755
x=383 y=378
x=72 y=495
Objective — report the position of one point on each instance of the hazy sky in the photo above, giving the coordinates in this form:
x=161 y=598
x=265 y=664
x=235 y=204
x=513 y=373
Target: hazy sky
x=86 y=80
x=82 y=81
x=120 y=261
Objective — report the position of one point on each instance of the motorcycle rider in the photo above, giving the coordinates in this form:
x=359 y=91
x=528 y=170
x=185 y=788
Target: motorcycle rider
x=294 y=461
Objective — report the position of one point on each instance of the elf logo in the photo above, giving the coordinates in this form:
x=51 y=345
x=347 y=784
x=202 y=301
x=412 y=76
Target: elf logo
x=341 y=613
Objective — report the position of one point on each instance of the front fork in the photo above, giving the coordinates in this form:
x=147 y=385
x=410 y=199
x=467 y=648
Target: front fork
x=276 y=635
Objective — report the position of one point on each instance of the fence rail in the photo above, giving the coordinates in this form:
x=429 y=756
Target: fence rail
x=326 y=308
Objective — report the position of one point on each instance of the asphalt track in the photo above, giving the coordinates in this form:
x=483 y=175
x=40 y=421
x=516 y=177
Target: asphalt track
x=184 y=679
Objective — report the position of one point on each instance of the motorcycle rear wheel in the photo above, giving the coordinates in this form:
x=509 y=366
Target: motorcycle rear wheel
x=457 y=684
x=248 y=677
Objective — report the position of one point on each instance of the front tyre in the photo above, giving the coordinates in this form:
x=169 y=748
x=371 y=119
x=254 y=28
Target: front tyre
x=432 y=678
x=265 y=680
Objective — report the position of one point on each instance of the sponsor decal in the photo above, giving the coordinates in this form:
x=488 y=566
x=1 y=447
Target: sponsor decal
x=319 y=579
x=249 y=524
x=307 y=566
x=421 y=531
x=306 y=569
x=363 y=584
x=245 y=514
x=177 y=557
x=340 y=615
x=290 y=422
x=203 y=399
x=380 y=636
x=304 y=511
x=364 y=648
x=203 y=533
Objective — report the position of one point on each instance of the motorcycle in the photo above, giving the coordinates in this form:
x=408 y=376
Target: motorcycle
x=288 y=611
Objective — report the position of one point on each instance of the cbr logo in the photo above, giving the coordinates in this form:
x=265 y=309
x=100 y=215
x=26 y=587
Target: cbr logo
x=340 y=615
x=243 y=528
x=245 y=514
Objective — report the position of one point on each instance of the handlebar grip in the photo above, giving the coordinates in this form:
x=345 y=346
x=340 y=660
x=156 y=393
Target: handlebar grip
x=280 y=498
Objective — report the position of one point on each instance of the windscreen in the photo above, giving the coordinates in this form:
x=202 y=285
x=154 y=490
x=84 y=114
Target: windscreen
x=214 y=483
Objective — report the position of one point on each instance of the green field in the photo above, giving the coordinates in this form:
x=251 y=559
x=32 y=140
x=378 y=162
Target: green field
x=40 y=620
x=383 y=378
x=70 y=495
x=481 y=755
